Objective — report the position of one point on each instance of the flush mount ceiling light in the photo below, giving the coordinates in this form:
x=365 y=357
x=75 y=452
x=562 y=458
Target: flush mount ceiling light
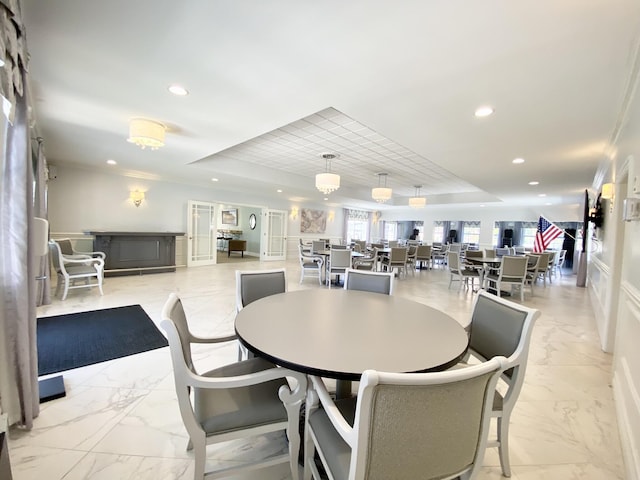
x=328 y=182
x=381 y=194
x=484 y=111
x=146 y=133
x=417 y=201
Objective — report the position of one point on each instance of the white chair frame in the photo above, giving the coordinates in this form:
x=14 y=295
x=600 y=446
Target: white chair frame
x=75 y=268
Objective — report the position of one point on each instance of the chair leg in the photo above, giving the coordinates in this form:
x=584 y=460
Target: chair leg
x=503 y=445
x=200 y=456
x=66 y=288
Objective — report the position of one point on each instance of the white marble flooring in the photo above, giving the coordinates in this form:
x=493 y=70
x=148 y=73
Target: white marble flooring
x=120 y=418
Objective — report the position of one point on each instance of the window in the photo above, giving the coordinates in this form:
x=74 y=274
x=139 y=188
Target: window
x=471 y=232
x=390 y=230
x=438 y=232
x=496 y=235
x=357 y=225
x=357 y=230
x=528 y=236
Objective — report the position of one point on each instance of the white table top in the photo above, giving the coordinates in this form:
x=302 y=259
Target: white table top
x=341 y=333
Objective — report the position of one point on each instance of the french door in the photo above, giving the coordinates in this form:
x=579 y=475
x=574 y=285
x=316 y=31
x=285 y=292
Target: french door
x=201 y=234
x=273 y=242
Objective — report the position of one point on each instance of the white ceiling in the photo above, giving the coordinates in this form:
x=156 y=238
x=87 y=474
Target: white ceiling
x=390 y=86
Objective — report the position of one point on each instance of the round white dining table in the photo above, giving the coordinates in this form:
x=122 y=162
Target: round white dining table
x=341 y=333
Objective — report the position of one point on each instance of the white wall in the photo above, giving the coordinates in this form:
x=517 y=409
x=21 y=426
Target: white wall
x=614 y=283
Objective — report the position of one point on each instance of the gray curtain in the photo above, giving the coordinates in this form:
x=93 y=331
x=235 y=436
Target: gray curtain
x=19 y=396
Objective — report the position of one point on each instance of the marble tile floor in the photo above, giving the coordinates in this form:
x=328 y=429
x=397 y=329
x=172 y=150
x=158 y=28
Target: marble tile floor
x=120 y=418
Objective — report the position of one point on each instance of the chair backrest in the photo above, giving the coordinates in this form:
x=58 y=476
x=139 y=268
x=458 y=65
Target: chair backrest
x=424 y=251
x=338 y=246
x=412 y=251
x=502 y=251
x=65 y=246
x=362 y=243
x=473 y=254
x=520 y=250
x=366 y=281
x=393 y=243
x=453 y=260
x=455 y=247
x=56 y=256
x=252 y=285
x=174 y=312
x=502 y=327
x=543 y=262
x=398 y=254
x=423 y=425
x=339 y=258
x=489 y=252
x=513 y=267
x=317 y=246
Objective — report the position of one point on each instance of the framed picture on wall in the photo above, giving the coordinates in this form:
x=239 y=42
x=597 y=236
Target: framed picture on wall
x=230 y=216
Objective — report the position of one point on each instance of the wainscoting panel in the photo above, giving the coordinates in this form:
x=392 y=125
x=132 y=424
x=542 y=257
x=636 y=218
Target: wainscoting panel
x=626 y=377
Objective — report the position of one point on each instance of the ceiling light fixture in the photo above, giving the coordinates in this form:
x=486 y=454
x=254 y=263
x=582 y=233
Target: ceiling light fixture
x=178 y=90
x=484 y=111
x=417 y=201
x=146 y=133
x=381 y=194
x=328 y=182
x=517 y=160
x=533 y=182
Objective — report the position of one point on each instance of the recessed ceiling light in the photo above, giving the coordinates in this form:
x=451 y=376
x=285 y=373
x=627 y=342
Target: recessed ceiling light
x=214 y=179
x=279 y=191
x=326 y=198
x=534 y=183
x=112 y=162
x=178 y=90
x=548 y=203
x=484 y=111
x=517 y=160
x=482 y=205
x=542 y=195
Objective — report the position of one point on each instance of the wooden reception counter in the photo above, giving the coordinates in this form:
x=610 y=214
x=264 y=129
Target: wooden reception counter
x=135 y=253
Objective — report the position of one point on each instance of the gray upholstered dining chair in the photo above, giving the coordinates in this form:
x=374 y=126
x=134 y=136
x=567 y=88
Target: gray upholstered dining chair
x=397 y=259
x=243 y=399
x=402 y=426
x=252 y=285
x=501 y=327
x=310 y=264
x=423 y=254
x=460 y=273
x=318 y=246
x=339 y=260
x=76 y=271
x=367 y=262
x=512 y=272
x=367 y=281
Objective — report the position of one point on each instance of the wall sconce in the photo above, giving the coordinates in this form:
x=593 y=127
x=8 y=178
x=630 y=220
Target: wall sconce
x=608 y=193
x=332 y=215
x=294 y=213
x=136 y=197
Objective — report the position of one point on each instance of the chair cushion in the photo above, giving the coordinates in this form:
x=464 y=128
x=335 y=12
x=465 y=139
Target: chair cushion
x=335 y=449
x=224 y=410
x=310 y=265
x=74 y=270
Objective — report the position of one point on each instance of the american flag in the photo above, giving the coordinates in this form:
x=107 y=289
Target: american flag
x=547 y=232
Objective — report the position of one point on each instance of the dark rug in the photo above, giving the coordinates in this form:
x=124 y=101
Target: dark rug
x=80 y=339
